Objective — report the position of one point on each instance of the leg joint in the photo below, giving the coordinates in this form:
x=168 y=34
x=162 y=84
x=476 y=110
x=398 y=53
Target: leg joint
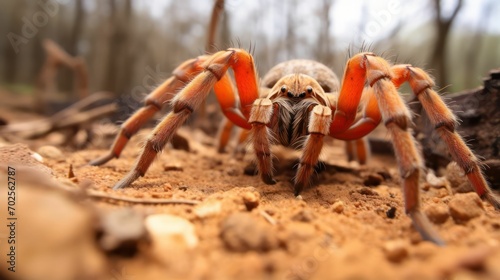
x=181 y=106
x=401 y=121
x=448 y=125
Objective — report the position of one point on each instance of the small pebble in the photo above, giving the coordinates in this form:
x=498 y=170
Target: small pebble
x=436 y=182
x=242 y=232
x=437 y=213
x=37 y=157
x=338 y=207
x=123 y=228
x=251 y=200
x=373 y=179
x=395 y=251
x=207 y=209
x=303 y=215
x=465 y=206
x=50 y=152
x=169 y=230
x=173 y=167
x=391 y=213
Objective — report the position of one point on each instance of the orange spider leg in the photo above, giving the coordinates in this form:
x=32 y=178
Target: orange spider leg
x=350 y=95
x=224 y=91
x=260 y=118
x=152 y=104
x=397 y=118
x=319 y=126
x=189 y=99
x=224 y=134
x=370 y=120
x=358 y=150
x=444 y=122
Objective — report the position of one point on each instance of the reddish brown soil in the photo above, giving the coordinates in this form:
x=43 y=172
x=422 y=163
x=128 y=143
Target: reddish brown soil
x=341 y=229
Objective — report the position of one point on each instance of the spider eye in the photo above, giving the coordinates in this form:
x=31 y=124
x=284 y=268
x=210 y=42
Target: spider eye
x=302 y=95
x=283 y=89
x=290 y=94
x=309 y=89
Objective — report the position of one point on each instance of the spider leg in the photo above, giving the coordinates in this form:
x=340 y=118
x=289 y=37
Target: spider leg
x=445 y=122
x=224 y=134
x=189 y=99
x=225 y=93
x=397 y=118
x=152 y=104
x=260 y=118
x=319 y=126
x=358 y=150
x=349 y=96
x=366 y=124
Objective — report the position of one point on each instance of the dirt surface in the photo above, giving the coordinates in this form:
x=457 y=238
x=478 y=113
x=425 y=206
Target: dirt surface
x=349 y=225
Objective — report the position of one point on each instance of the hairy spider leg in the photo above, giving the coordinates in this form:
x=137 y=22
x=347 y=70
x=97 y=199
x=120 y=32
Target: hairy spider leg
x=377 y=73
x=445 y=122
x=154 y=102
x=190 y=98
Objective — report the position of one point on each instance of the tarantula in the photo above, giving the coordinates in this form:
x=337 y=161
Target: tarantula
x=304 y=105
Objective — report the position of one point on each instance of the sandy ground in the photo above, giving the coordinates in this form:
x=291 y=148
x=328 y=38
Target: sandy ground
x=244 y=229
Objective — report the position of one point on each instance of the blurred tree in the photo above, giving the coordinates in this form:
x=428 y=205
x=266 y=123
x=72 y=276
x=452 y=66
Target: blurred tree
x=439 y=55
x=10 y=54
x=324 y=46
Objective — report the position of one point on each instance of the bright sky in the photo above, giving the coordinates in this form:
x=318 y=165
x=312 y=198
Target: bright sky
x=345 y=16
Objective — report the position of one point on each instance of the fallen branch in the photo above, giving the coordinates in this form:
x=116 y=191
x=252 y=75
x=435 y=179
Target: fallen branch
x=102 y=195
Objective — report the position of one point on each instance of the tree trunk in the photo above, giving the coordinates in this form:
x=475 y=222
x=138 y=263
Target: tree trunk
x=439 y=58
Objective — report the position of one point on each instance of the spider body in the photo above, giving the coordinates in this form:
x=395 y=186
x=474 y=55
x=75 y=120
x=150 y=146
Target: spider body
x=300 y=86
x=304 y=103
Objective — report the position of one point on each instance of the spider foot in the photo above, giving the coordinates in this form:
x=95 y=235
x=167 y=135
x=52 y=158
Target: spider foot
x=103 y=159
x=268 y=179
x=297 y=188
x=127 y=180
x=493 y=199
x=424 y=227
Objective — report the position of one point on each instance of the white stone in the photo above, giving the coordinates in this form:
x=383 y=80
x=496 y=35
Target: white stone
x=169 y=230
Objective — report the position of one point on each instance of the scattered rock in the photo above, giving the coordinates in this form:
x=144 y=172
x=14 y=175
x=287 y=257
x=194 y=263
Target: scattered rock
x=173 y=167
x=373 y=179
x=243 y=232
x=299 y=232
x=457 y=179
x=56 y=231
x=205 y=210
x=51 y=152
x=437 y=213
x=37 y=157
x=391 y=213
x=251 y=200
x=303 y=215
x=365 y=191
x=338 y=207
x=20 y=154
x=396 y=251
x=122 y=230
x=171 y=231
x=434 y=181
x=465 y=206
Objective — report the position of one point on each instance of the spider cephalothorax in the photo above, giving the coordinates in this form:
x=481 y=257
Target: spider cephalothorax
x=304 y=103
